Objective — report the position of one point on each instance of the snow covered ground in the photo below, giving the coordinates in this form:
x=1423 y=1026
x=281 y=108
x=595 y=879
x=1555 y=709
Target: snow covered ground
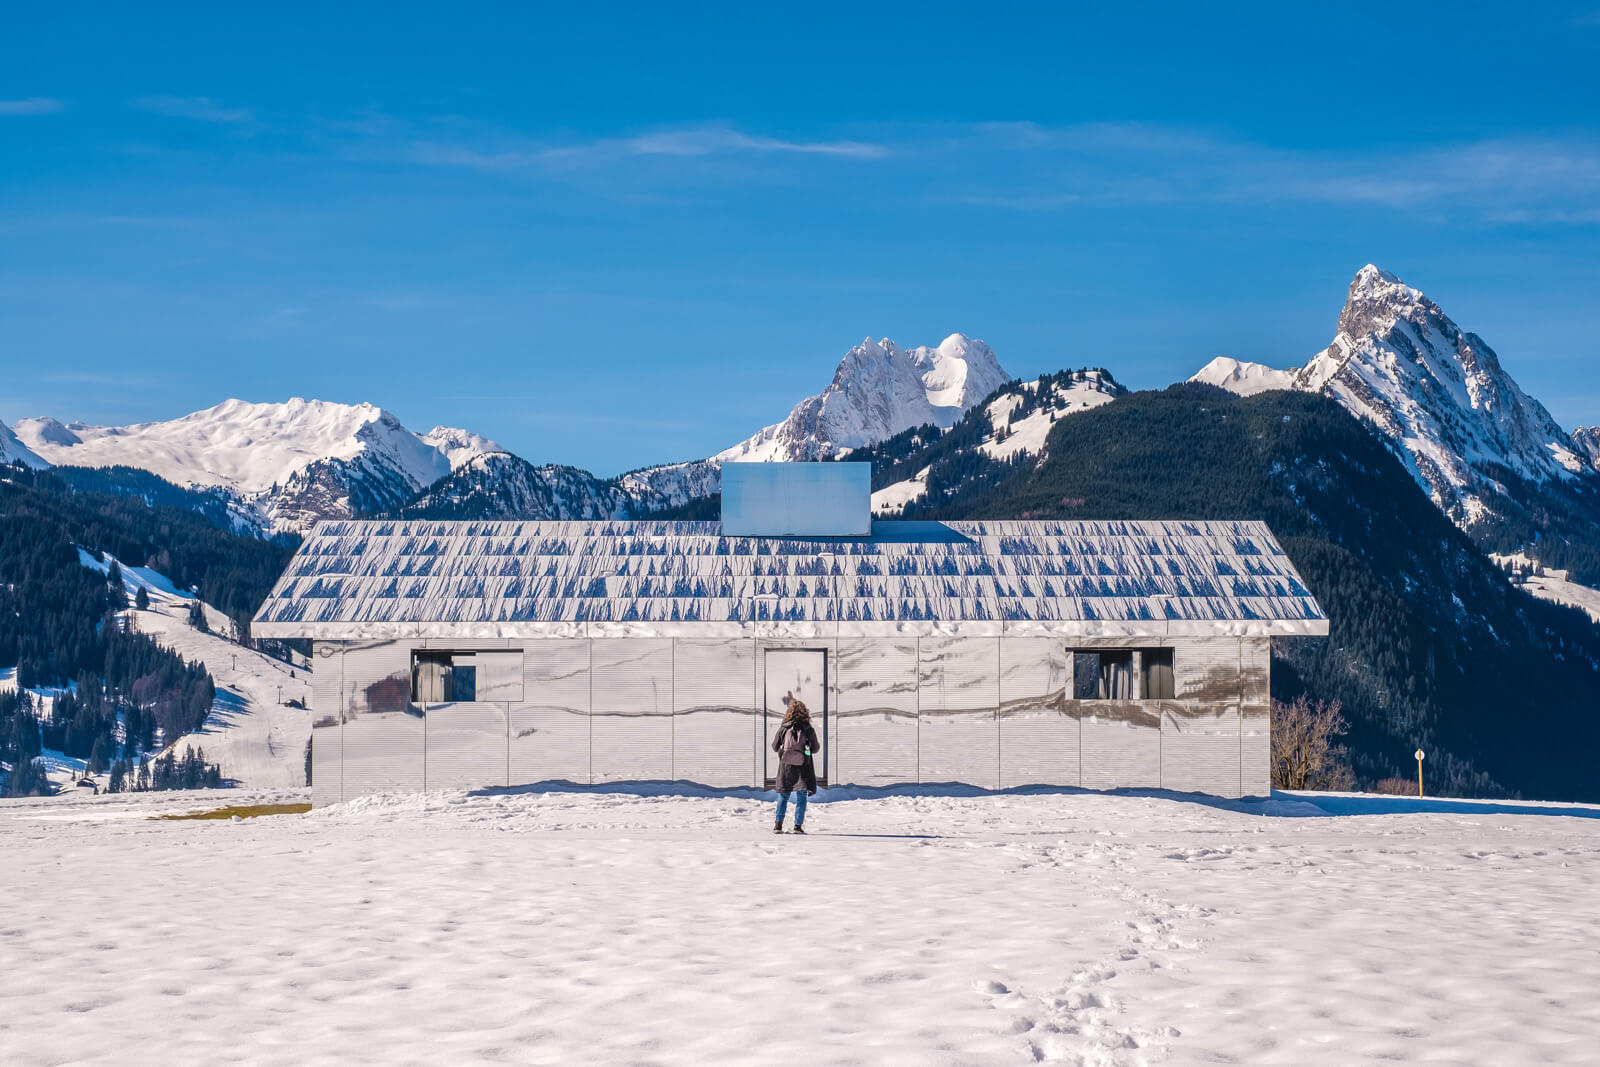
x=674 y=928
x=1553 y=585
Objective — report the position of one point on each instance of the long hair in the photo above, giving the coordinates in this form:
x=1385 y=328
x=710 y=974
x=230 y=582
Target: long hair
x=798 y=712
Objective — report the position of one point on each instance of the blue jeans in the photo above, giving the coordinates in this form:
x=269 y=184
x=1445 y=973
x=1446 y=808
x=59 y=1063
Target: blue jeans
x=799 y=807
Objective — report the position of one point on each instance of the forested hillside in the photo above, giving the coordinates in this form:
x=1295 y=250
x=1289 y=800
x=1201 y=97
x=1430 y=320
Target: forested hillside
x=1429 y=645
x=123 y=692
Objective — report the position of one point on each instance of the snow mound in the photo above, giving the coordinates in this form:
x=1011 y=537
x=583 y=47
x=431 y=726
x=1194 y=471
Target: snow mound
x=1242 y=377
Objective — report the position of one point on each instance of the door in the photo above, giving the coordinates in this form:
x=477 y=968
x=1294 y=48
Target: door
x=795 y=674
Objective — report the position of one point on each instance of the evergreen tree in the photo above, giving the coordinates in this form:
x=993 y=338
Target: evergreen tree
x=197 y=617
x=141 y=599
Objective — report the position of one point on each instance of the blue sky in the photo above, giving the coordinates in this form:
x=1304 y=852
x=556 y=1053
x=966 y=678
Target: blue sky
x=626 y=235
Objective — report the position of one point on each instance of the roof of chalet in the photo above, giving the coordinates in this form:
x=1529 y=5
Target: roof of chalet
x=354 y=580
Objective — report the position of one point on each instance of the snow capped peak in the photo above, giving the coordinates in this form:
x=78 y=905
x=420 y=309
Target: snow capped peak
x=878 y=390
x=292 y=461
x=460 y=446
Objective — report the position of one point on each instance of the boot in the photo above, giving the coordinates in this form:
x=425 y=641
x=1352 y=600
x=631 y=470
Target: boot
x=777 y=827
x=799 y=829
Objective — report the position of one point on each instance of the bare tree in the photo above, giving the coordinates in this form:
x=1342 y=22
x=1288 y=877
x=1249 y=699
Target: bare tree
x=1304 y=752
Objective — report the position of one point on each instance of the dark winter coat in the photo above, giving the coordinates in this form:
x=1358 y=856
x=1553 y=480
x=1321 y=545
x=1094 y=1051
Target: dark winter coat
x=791 y=775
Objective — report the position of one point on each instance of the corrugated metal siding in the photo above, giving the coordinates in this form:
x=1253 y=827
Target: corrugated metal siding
x=550 y=728
x=1039 y=742
x=383 y=732
x=876 y=724
x=1200 y=749
x=1121 y=744
x=714 y=711
x=1255 y=740
x=958 y=729
x=466 y=746
x=631 y=710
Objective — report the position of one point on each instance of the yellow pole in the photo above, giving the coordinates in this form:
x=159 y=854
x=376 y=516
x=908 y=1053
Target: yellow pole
x=1419 y=772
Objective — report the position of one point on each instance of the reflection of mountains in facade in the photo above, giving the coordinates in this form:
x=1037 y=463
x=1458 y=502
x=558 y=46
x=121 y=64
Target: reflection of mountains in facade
x=1100 y=655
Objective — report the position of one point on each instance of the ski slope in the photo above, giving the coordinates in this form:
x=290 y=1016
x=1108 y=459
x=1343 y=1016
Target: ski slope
x=252 y=732
x=911 y=928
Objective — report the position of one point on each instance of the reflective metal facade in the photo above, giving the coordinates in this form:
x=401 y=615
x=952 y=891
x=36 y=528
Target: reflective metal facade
x=993 y=712
x=937 y=652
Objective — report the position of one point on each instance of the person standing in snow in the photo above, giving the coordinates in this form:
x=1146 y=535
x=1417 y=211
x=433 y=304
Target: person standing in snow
x=796 y=746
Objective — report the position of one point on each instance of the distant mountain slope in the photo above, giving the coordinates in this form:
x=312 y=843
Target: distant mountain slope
x=288 y=464
x=1489 y=455
x=1587 y=438
x=13 y=450
x=1430 y=645
x=1007 y=428
x=878 y=390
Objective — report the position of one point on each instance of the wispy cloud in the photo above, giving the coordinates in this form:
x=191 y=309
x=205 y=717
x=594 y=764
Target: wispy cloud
x=198 y=108
x=1553 y=179
x=32 y=105
x=501 y=154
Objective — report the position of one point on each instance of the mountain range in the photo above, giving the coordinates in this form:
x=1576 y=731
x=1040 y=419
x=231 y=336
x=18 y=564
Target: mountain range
x=1490 y=456
x=1392 y=465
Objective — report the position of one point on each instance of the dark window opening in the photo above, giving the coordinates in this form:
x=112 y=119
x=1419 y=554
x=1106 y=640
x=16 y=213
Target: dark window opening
x=443 y=677
x=1157 y=670
x=1102 y=675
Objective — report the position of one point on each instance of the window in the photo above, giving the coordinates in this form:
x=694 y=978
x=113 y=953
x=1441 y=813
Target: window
x=1156 y=668
x=1102 y=675
x=439 y=677
x=443 y=677
x=1107 y=674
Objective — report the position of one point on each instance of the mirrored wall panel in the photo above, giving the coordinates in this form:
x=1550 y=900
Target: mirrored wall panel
x=466 y=746
x=1039 y=742
x=876 y=725
x=631 y=710
x=550 y=727
x=714 y=711
x=958 y=734
x=383 y=730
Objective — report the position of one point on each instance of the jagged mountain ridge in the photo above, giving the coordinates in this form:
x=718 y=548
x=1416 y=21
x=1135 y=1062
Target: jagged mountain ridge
x=1488 y=454
x=879 y=390
x=288 y=464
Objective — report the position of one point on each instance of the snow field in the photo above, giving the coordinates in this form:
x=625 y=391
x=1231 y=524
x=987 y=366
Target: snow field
x=584 y=926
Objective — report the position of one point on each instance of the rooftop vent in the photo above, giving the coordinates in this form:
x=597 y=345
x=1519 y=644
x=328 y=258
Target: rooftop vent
x=797 y=499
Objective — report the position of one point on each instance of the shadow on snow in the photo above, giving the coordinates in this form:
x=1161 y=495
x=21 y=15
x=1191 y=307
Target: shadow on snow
x=1279 y=805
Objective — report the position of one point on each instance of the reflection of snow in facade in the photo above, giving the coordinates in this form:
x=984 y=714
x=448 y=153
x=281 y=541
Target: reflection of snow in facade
x=1100 y=654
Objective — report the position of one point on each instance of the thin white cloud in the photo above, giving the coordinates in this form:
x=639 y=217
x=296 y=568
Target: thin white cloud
x=1551 y=179
x=198 y=108
x=32 y=105
x=502 y=155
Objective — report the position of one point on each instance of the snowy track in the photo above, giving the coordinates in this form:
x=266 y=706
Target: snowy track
x=563 y=927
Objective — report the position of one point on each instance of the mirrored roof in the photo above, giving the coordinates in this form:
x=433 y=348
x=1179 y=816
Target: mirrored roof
x=386 y=579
